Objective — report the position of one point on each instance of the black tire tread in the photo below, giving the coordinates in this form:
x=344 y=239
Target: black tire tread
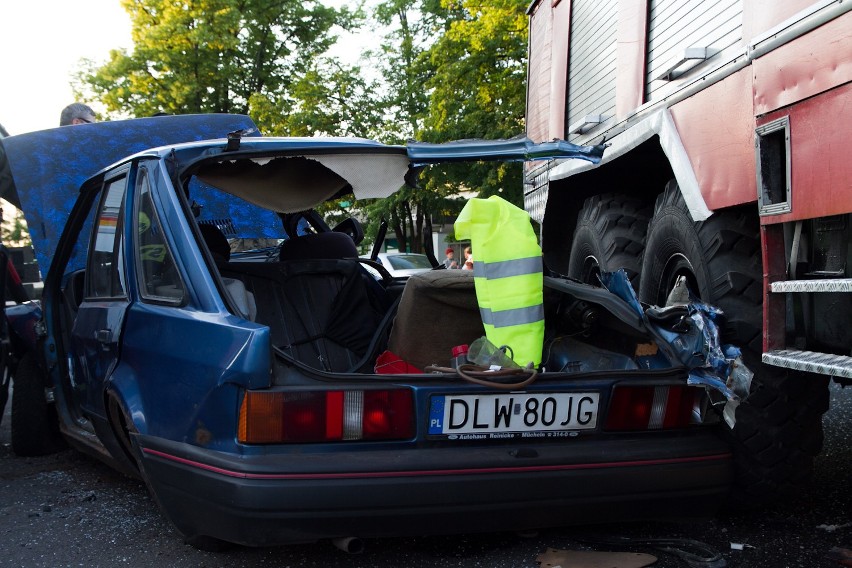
x=35 y=427
x=612 y=227
x=778 y=428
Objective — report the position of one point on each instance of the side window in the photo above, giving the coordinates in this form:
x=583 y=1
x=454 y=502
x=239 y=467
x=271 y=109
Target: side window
x=105 y=270
x=159 y=278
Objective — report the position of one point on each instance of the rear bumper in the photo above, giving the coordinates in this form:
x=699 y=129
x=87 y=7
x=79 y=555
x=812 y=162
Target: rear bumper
x=373 y=494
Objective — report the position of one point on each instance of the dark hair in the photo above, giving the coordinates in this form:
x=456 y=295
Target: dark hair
x=75 y=110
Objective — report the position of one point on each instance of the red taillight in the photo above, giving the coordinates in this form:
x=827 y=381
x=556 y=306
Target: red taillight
x=387 y=414
x=325 y=416
x=651 y=408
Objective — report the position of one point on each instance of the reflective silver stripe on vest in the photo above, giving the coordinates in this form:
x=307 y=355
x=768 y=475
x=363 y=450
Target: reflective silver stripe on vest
x=514 y=316
x=507 y=268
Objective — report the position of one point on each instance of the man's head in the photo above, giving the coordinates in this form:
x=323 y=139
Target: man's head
x=76 y=113
x=448 y=252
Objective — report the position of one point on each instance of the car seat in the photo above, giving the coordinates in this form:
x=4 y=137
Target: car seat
x=329 y=245
x=220 y=249
x=216 y=242
x=438 y=311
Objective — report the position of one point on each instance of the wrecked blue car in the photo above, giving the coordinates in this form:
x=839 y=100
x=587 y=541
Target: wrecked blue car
x=206 y=331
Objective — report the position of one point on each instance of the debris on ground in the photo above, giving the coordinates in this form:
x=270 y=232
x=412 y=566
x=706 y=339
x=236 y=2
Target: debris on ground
x=843 y=556
x=555 y=558
x=694 y=553
x=832 y=528
x=740 y=546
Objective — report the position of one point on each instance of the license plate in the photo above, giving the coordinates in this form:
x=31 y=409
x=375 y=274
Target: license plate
x=525 y=414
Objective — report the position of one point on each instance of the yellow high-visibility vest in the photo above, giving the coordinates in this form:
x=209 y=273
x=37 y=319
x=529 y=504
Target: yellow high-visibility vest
x=507 y=272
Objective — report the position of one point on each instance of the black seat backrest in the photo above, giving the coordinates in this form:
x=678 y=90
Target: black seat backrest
x=216 y=241
x=318 y=246
x=321 y=312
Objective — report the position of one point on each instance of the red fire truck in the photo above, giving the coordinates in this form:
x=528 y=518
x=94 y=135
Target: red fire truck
x=728 y=168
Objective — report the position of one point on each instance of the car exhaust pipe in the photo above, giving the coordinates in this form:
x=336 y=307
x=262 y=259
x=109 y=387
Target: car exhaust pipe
x=349 y=544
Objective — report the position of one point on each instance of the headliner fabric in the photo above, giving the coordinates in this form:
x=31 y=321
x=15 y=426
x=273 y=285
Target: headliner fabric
x=293 y=184
x=375 y=175
x=286 y=185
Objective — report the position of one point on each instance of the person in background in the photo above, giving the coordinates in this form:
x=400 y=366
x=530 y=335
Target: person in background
x=449 y=261
x=468 y=259
x=77 y=113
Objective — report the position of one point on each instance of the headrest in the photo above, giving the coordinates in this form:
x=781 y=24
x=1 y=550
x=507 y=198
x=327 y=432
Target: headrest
x=329 y=245
x=215 y=240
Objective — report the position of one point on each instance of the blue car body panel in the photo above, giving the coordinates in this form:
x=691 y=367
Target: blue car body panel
x=433 y=490
x=170 y=357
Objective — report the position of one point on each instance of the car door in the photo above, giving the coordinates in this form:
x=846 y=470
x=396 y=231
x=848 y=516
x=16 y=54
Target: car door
x=96 y=334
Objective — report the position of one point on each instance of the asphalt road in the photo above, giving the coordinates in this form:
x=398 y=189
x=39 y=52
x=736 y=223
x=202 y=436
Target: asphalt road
x=70 y=510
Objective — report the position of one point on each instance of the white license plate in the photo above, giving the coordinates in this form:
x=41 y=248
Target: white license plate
x=521 y=413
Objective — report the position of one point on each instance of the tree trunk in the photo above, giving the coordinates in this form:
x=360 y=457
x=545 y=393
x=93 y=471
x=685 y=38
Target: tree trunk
x=399 y=230
x=417 y=245
x=410 y=219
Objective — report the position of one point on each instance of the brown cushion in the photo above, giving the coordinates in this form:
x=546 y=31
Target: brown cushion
x=438 y=311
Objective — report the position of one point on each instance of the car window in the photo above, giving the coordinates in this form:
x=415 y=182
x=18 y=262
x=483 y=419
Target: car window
x=405 y=261
x=159 y=278
x=105 y=271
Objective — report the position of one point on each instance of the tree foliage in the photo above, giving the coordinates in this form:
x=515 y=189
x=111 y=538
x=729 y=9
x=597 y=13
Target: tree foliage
x=404 y=68
x=455 y=69
x=15 y=233
x=196 y=56
x=442 y=70
x=330 y=99
x=478 y=89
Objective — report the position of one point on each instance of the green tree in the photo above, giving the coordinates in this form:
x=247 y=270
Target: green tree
x=454 y=69
x=478 y=89
x=445 y=69
x=15 y=233
x=405 y=68
x=402 y=63
x=330 y=99
x=211 y=55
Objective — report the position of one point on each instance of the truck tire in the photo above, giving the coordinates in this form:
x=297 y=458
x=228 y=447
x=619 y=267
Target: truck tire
x=35 y=427
x=610 y=234
x=778 y=427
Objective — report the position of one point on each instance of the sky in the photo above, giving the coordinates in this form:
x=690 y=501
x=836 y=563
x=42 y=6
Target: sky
x=41 y=44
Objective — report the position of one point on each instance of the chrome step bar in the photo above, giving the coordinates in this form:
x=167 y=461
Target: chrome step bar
x=826 y=285
x=811 y=362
